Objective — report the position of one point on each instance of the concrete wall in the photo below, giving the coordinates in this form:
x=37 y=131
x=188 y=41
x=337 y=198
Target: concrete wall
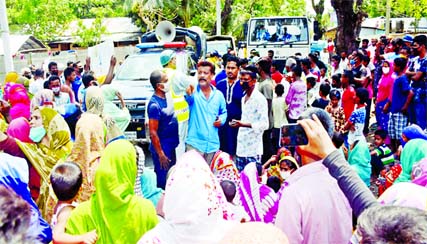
x=43 y=58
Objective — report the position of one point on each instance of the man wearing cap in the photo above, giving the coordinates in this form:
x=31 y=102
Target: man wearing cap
x=407 y=40
x=254 y=120
x=179 y=84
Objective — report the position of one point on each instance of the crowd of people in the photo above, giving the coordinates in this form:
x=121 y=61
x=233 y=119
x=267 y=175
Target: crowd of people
x=222 y=171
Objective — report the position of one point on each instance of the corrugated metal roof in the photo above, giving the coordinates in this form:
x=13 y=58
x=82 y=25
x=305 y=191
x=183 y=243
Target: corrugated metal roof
x=23 y=43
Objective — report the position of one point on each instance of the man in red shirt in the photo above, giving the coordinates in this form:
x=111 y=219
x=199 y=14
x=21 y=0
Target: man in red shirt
x=348 y=94
x=275 y=73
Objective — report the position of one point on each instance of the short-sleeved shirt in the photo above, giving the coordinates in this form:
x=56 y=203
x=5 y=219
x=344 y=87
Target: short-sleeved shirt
x=357 y=118
x=400 y=92
x=419 y=65
x=385 y=154
x=161 y=109
x=320 y=103
x=348 y=101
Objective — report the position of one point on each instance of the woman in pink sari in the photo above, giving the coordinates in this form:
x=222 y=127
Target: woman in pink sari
x=19 y=102
x=19 y=128
x=259 y=201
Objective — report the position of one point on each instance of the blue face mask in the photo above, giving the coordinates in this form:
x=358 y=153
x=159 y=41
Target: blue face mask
x=352 y=62
x=37 y=134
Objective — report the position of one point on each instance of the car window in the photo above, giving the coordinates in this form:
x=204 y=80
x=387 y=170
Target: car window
x=139 y=67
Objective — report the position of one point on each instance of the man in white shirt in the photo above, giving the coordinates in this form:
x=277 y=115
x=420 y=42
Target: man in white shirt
x=61 y=98
x=254 y=120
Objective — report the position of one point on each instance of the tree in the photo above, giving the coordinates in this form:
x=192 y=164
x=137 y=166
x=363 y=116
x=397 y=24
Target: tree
x=319 y=8
x=350 y=17
x=89 y=36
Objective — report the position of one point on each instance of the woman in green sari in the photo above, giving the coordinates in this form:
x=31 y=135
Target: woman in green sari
x=51 y=136
x=117 y=214
x=413 y=152
x=359 y=159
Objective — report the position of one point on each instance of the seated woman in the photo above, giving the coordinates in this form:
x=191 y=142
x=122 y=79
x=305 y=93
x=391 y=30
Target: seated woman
x=117 y=214
x=120 y=116
x=51 y=137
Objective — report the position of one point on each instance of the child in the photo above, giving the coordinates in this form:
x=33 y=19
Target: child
x=279 y=108
x=312 y=88
x=230 y=190
x=323 y=101
x=336 y=111
x=356 y=122
x=66 y=179
x=398 y=103
x=348 y=93
x=382 y=156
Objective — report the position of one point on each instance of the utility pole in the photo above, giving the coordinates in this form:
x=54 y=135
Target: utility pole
x=218 y=17
x=387 y=18
x=4 y=30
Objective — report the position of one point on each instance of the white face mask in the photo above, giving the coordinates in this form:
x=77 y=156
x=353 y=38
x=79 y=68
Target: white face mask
x=56 y=89
x=386 y=70
x=166 y=87
x=285 y=174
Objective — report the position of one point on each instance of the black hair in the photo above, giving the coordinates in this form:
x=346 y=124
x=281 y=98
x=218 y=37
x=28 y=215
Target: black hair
x=325 y=88
x=275 y=64
x=336 y=57
x=233 y=59
x=229 y=189
x=421 y=40
x=306 y=62
x=335 y=94
x=365 y=40
x=155 y=78
x=49 y=66
x=323 y=116
x=204 y=63
x=401 y=63
x=337 y=139
x=70 y=63
x=86 y=79
x=313 y=57
x=225 y=58
x=265 y=65
x=382 y=133
x=270 y=51
x=243 y=61
x=68 y=71
x=66 y=179
x=252 y=69
x=279 y=90
x=311 y=80
x=362 y=94
x=337 y=79
x=350 y=76
x=274 y=183
x=297 y=70
x=366 y=59
x=52 y=78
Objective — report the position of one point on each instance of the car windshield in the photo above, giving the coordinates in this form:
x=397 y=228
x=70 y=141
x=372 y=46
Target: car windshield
x=139 y=67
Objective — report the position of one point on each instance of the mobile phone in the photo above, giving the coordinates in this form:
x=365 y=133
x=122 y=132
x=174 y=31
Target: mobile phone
x=292 y=135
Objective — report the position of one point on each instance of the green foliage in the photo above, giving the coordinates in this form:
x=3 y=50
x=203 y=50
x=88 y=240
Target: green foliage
x=89 y=36
x=84 y=9
x=399 y=8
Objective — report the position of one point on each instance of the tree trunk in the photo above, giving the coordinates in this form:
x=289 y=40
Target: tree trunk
x=319 y=9
x=350 y=17
x=225 y=14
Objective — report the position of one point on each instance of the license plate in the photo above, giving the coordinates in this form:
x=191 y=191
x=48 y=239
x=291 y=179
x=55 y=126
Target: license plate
x=130 y=135
x=131 y=105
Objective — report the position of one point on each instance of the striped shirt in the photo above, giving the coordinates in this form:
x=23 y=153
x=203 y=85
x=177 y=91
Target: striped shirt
x=385 y=154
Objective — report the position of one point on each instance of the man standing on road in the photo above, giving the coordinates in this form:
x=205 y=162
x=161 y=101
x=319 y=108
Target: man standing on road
x=233 y=93
x=207 y=113
x=254 y=120
x=179 y=83
x=163 y=127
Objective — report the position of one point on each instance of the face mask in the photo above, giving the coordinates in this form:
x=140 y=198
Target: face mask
x=334 y=64
x=166 y=87
x=37 y=133
x=56 y=89
x=386 y=70
x=245 y=86
x=285 y=174
x=81 y=70
x=352 y=62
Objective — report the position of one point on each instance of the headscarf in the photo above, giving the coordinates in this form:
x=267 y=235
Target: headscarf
x=14 y=174
x=413 y=131
x=419 y=173
x=19 y=101
x=255 y=233
x=120 y=116
x=414 y=151
x=11 y=77
x=94 y=100
x=19 y=128
x=42 y=98
x=224 y=168
x=87 y=149
x=113 y=210
x=194 y=205
x=258 y=200
x=405 y=194
x=360 y=160
x=44 y=158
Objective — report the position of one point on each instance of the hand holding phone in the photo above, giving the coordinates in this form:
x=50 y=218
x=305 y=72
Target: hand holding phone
x=292 y=135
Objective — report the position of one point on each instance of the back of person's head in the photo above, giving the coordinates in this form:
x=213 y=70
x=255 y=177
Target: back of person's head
x=325 y=88
x=306 y=62
x=68 y=71
x=155 y=78
x=401 y=63
x=86 y=79
x=349 y=75
x=335 y=94
x=66 y=179
x=252 y=69
x=311 y=80
x=265 y=65
x=366 y=59
x=279 y=90
x=338 y=139
x=297 y=71
x=15 y=218
x=229 y=189
x=323 y=116
x=381 y=133
x=275 y=64
x=243 y=61
x=392 y=224
x=337 y=79
x=274 y=183
x=313 y=57
x=362 y=94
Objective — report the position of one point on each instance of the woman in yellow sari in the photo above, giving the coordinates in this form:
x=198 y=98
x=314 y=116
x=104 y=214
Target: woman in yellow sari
x=52 y=140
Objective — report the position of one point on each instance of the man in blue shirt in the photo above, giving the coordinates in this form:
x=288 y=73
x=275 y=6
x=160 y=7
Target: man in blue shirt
x=163 y=126
x=207 y=113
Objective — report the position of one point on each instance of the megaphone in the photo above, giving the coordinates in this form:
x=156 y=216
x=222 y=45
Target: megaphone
x=165 y=31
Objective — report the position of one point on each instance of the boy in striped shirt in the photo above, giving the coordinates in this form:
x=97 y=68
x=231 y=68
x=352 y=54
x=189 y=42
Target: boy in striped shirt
x=382 y=156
